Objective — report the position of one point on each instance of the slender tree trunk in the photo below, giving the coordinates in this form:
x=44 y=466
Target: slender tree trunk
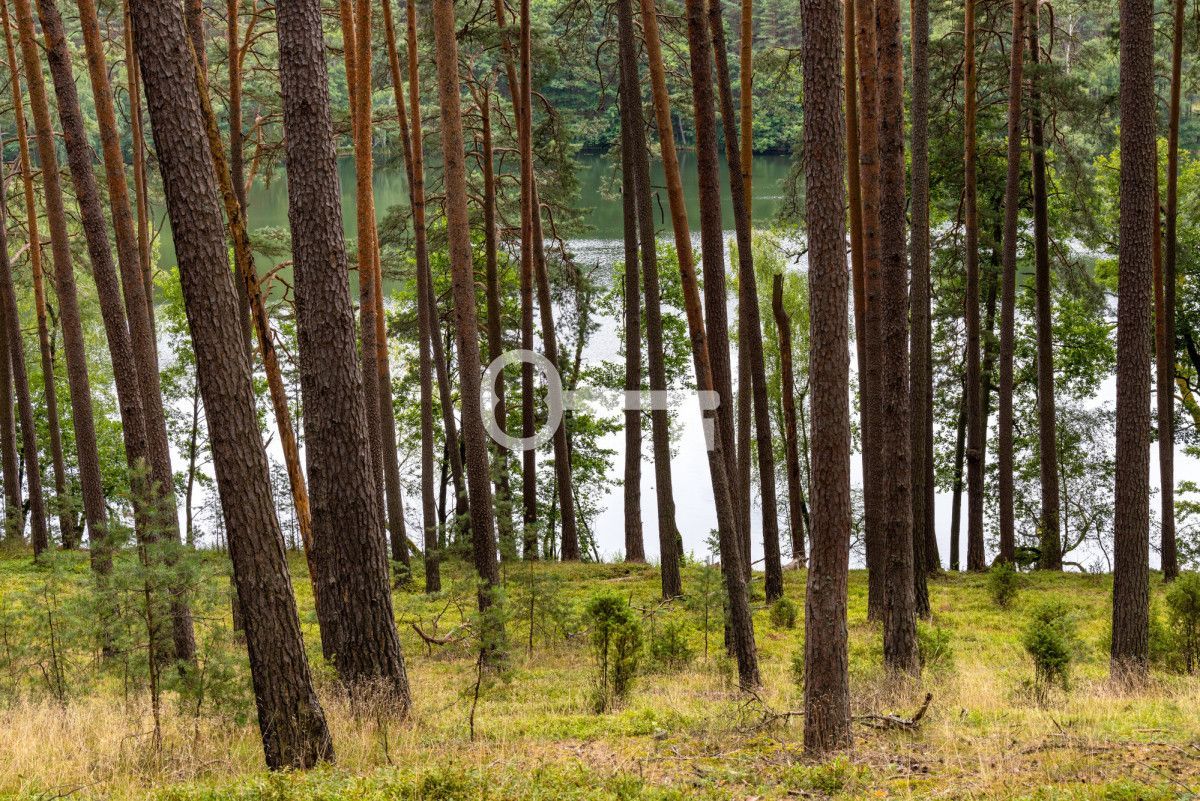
x=290 y=716
x=134 y=89
x=922 y=376
x=746 y=100
x=741 y=624
x=86 y=450
x=827 y=724
x=1166 y=344
x=1049 y=534
x=1139 y=168
x=66 y=523
x=354 y=602
x=463 y=279
x=14 y=515
x=956 y=503
x=791 y=446
x=748 y=307
x=871 y=343
x=975 y=427
x=141 y=332
x=635 y=550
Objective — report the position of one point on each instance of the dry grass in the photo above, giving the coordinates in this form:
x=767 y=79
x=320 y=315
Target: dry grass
x=685 y=734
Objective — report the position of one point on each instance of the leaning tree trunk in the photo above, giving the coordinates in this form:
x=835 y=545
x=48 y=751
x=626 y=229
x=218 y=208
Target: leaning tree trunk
x=86 y=451
x=921 y=377
x=1139 y=168
x=975 y=425
x=741 y=624
x=1168 y=551
x=354 y=600
x=290 y=716
x=790 y=440
x=827 y=725
x=467 y=323
x=68 y=537
x=1048 y=524
x=669 y=542
x=138 y=141
x=137 y=314
x=748 y=307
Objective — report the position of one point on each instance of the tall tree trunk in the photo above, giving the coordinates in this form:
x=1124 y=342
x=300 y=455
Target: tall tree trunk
x=425 y=312
x=140 y=330
x=14 y=513
x=741 y=624
x=483 y=543
x=1049 y=534
x=871 y=343
x=748 y=307
x=746 y=99
x=827 y=723
x=669 y=541
x=1166 y=343
x=138 y=141
x=790 y=440
x=87 y=454
x=1139 y=168
x=895 y=447
x=957 y=488
x=354 y=602
x=635 y=550
x=66 y=523
x=975 y=426
x=290 y=716
x=921 y=369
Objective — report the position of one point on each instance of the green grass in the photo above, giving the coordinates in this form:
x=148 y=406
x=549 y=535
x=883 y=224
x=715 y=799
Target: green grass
x=681 y=734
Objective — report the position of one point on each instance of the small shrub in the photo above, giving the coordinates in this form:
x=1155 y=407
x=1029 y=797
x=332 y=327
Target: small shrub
x=783 y=613
x=798 y=662
x=616 y=639
x=670 y=648
x=1050 y=638
x=1183 y=619
x=1003 y=581
x=935 y=647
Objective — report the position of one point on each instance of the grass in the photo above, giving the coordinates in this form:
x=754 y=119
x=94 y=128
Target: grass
x=681 y=734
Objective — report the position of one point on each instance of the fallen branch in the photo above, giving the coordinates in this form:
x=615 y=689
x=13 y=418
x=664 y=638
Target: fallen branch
x=895 y=721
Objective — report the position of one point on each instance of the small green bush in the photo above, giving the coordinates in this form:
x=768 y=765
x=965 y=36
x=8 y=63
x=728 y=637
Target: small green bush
x=1183 y=619
x=1003 y=581
x=935 y=647
x=616 y=639
x=670 y=648
x=784 y=613
x=1051 y=639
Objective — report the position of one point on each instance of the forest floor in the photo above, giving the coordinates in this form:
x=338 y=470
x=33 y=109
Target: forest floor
x=681 y=734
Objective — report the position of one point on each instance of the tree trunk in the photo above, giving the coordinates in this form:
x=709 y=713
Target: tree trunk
x=791 y=445
x=922 y=375
x=957 y=489
x=1050 y=536
x=134 y=89
x=14 y=514
x=1138 y=217
x=1166 y=341
x=354 y=601
x=741 y=624
x=140 y=330
x=871 y=343
x=95 y=511
x=483 y=543
x=827 y=724
x=751 y=346
x=635 y=550
x=290 y=716
x=975 y=426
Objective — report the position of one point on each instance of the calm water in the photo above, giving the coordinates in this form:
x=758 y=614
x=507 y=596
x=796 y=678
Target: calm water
x=597 y=177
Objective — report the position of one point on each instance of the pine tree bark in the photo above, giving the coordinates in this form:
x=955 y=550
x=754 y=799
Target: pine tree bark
x=87 y=454
x=14 y=511
x=1168 y=551
x=1138 y=217
x=133 y=82
x=741 y=624
x=748 y=308
x=290 y=716
x=790 y=440
x=827 y=723
x=467 y=323
x=141 y=332
x=975 y=427
x=1049 y=534
x=669 y=540
x=871 y=344
x=354 y=601
x=921 y=379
